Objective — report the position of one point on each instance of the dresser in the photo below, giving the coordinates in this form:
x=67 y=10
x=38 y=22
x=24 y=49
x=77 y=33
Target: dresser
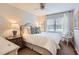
x=7 y=47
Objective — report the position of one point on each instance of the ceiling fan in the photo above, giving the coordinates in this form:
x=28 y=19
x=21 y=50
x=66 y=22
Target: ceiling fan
x=42 y=6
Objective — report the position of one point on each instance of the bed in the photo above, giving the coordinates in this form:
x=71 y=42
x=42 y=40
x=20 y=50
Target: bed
x=44 y=43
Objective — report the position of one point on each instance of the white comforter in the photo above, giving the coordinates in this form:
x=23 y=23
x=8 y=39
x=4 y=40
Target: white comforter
x=44 y=40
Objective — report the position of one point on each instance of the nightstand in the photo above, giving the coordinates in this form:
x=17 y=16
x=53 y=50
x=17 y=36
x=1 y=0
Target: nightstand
x=17 y=40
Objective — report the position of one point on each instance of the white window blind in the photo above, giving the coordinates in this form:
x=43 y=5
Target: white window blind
x=58 y=22
x=55 y=24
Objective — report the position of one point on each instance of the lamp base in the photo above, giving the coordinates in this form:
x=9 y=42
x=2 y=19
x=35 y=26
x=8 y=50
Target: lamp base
x=14 y=33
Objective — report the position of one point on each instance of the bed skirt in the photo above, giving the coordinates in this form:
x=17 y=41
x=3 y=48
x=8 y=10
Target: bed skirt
x=38 y=49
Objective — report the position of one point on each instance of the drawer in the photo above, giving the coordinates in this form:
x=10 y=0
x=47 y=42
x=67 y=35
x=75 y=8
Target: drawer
x=18 y=41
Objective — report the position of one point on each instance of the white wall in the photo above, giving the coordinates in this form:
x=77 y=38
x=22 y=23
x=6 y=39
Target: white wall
x=28 y=18
x=3 y=25
x=76 y=37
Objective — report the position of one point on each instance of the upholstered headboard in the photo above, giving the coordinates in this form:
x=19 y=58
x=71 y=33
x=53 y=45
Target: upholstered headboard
x=29 y=29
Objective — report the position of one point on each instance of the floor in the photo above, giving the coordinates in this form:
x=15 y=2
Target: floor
x=65 y=50
x=27 y=51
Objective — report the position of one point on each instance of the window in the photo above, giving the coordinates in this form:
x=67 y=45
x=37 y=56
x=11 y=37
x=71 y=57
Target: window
x=76 y=16
x=60 y=22
x=55 y=24
x=50 y=25
x=75 y=22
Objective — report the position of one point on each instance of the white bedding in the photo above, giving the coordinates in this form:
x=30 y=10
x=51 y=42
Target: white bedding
x=46 y=40
x=55 y=36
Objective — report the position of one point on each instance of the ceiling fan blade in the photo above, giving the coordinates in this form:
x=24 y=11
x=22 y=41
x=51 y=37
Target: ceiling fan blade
x=42 y=5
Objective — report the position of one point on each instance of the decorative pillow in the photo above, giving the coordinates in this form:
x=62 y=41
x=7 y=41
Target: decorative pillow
x=35 y=30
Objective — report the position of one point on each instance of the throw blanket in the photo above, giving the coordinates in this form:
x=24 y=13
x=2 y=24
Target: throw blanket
x=42 y=41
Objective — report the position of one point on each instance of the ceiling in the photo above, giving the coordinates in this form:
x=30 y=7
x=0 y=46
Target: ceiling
x=18 y=10
x=50 y=8
x=26 y=6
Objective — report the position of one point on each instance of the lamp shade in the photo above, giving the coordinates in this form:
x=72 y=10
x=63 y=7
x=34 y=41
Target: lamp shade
x=15 y=26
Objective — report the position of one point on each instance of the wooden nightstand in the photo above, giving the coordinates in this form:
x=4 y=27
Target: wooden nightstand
x=17 y=40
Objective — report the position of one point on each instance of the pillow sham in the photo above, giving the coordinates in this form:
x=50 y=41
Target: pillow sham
x=35 y=30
